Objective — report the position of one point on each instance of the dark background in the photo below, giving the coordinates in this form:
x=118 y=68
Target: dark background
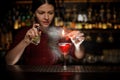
x=5 y=5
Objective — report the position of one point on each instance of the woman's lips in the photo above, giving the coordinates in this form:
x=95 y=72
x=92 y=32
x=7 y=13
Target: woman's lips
x=45 y=22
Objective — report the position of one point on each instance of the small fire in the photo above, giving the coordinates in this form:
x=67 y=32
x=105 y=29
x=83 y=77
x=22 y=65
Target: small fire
x=64 y=35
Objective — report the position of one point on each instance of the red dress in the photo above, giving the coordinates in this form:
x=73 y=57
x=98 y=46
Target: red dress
x=40 y=54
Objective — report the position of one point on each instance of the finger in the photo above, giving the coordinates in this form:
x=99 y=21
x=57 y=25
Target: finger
x=75 y=33
x=40 y=33
x=35 y=31
x=32 y=33
x=35 y=25
x=71 y=34
x=29 y=34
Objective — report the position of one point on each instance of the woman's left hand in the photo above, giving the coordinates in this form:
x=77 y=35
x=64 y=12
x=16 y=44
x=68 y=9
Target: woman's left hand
x=76 y=37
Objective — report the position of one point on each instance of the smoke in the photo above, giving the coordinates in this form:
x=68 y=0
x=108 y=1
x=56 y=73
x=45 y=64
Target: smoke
x=54 y=34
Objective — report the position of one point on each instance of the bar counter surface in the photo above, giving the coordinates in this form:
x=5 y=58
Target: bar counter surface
x=73 y=72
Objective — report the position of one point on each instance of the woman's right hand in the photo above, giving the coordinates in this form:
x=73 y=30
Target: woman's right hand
x=32 y=33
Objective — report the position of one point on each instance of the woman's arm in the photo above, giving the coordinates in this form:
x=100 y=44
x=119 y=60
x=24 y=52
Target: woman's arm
x=77 y=38
x=13 y=55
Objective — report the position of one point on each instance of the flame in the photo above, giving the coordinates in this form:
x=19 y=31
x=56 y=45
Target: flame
x=63 y=33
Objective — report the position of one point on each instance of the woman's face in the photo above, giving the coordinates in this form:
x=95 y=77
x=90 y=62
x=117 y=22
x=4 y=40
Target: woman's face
x=45 y=14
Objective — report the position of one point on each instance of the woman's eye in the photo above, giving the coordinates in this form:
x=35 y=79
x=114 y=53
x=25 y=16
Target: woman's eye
x=41 y=12
x=50 y=12
x=47 y=13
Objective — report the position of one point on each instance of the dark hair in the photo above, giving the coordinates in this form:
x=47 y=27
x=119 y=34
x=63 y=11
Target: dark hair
x=37 y=3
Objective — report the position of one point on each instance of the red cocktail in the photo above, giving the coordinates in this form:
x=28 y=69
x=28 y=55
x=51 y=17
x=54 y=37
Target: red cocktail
x=64 y=47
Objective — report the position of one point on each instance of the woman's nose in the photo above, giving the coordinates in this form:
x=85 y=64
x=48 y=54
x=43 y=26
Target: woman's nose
x=46 y=16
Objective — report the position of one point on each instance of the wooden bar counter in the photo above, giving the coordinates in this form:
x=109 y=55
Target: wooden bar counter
x=73 y=72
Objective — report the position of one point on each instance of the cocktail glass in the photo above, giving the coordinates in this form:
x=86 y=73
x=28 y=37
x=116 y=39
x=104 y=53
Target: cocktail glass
x=64 y=47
